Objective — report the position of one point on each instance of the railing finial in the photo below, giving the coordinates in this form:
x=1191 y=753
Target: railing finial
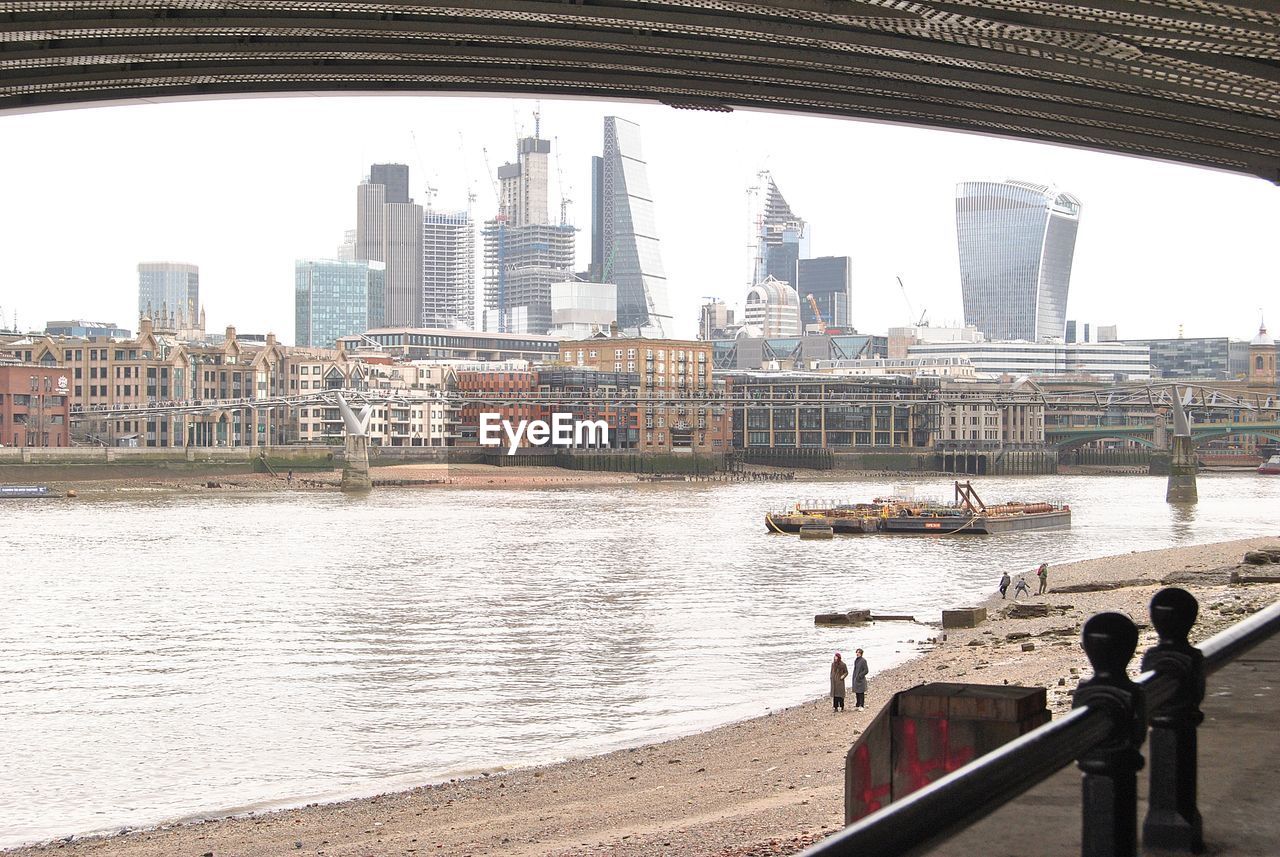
x=1173 y=820
x=1109 y=641
x=1110 y=785
x=1173 y=613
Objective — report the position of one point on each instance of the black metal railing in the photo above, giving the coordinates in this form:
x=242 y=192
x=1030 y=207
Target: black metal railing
x=1103 y=734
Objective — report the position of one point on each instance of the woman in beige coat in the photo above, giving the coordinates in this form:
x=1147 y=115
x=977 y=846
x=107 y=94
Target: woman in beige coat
x=838 y=672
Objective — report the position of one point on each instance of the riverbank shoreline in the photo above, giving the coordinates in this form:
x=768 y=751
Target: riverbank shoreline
x=431 y=476
x=767 y=785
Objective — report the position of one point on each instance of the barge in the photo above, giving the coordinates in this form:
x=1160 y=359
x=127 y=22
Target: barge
x=967 y=515
x=7 y=491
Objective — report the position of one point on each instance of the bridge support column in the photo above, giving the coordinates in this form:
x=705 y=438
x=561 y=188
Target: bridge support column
x=1182 y=472
x=355 y=466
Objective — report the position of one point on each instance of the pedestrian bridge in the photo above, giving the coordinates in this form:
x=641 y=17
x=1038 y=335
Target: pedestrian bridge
x=1191 y=81
x=1067 y=438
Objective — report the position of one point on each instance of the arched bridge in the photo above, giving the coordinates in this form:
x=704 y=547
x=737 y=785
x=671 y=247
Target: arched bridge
x=1192 y=81
x=1067 y=438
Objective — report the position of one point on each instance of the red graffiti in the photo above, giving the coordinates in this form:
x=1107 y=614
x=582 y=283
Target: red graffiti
x=920 y=772
x=871 y=793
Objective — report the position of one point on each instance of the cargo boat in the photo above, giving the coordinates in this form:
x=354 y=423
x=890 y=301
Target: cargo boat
x=7 y=491
x=967 y=515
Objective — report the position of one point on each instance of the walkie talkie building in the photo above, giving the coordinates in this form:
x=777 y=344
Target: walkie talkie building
x=1016 y=244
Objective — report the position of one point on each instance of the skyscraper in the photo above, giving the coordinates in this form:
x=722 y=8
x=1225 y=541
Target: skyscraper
x=335 y=298
x=1016 y=244
x=448 y=269
x=389 y=230
x=624 y=240
x=171 y=289
x=829 y=279
x=780 y=236
x=523 y=252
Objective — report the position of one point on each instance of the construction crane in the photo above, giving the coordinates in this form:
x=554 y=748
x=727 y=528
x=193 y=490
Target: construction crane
x=923 y=320
x=817 y=313
x=565 y=201
x=497 y=195
x=428 y=189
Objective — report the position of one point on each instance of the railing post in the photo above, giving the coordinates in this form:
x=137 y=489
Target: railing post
x=1173 y=820
x=1109 y=810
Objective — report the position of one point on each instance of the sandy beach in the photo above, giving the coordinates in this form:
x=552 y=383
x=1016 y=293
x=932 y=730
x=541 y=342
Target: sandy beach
x=769 y=785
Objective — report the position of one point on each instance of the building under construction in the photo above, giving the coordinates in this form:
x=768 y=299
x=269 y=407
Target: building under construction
x=524 y=253
x=520 y=264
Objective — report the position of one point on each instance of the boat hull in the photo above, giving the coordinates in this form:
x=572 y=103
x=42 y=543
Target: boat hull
x=792 y=524
x=1058 y=519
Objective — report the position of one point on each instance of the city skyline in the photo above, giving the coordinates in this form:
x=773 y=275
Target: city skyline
x=1157 y=236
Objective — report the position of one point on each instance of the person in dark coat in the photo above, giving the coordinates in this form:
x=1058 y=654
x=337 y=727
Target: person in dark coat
x=1004 y=584
x=860 y=672
x=838 y=671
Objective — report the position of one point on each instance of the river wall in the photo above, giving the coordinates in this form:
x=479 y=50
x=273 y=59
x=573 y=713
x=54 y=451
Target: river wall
x=92 y=463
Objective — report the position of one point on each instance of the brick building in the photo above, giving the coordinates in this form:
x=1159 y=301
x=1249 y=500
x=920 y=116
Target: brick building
x=35 y=405
x=677 y=408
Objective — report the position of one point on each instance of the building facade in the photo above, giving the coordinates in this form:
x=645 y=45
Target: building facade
x=419 y=343
x=581 y=309
x=169 y=288
x=805 y=409
x=1262 y=360
x=1016 y=243
x=87 y=329
x=448 y=270
x=389 y=230
x=1204 y=358
x=772 y=309
x=624 y=232
x=780 y=236
x=677 y=406
x=1104 y=360
x=524 y=253
x=333 y=299
x=35 y=405
x=793 y=352
x=715 y=321
x=830 y=280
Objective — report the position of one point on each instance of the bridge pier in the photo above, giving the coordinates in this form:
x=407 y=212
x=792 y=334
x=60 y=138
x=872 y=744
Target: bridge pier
x=355 y=465
x=1182 y=472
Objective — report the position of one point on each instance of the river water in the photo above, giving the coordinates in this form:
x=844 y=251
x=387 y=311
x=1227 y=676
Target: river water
x=183 y=656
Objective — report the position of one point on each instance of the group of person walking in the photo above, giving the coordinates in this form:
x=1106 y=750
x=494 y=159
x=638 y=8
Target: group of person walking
x=1042 y=573
x=839 y=671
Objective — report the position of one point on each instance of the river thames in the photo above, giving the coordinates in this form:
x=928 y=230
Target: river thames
x=182 y=656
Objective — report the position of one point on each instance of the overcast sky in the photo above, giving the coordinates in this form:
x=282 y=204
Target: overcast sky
x=242 y=188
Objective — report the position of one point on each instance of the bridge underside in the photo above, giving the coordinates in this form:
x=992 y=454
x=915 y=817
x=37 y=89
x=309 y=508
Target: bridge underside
x=1190 y=81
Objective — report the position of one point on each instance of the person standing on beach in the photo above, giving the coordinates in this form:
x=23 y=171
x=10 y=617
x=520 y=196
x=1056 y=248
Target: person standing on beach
x=1004 y=584
x=860 y=672
x=1020 y=588
x=1043 y=573
x=839 y=669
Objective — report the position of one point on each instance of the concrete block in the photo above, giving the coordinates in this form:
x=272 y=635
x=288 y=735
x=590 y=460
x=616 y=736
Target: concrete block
x=964 y=617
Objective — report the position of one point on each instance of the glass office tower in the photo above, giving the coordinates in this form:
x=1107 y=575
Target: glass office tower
x=335 y=298
x=1016 y=242
x=625 y=248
